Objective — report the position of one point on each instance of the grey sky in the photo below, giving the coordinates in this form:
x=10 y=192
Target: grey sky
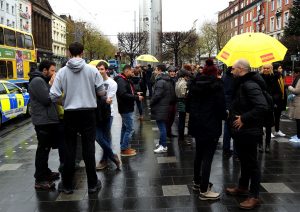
x=113 y=16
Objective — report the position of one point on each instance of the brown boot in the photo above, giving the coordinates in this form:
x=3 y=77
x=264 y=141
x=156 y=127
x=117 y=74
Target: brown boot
x=250 y=203
x=102 y=165
x=237 y=191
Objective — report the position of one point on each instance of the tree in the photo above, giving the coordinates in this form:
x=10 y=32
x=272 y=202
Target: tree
x=174 y=43
x=132 y=44
x=208 y=32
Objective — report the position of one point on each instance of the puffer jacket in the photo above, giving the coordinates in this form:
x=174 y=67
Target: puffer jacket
x=161 y=97
x=249 y=103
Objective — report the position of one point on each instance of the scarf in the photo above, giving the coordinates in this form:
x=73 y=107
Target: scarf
x=281 y=85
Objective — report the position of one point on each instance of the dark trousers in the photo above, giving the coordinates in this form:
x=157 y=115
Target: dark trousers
x=149 y=86
x=246 y=147
x=298 y=127
x=227 y=139
x=139 y=107
x=205 y=150
x=277 y=114
x=181 y=124
x=46 y=136
x=83 y=122
x=171 y=118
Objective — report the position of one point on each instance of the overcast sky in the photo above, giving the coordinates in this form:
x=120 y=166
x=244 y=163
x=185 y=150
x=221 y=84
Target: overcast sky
x=113 y=16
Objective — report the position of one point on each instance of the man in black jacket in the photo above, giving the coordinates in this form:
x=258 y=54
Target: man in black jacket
x=45 y=120
x=246 y=124
x=126 y=97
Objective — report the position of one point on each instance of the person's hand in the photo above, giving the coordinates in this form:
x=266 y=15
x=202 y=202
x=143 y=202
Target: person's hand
x=139 y=93
x=141 y=98
x=109 y=100
x=290 y=88
x=238 y=122
x=52 y=79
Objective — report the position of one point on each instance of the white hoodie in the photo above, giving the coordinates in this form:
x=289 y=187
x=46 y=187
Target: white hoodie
x=79 y=83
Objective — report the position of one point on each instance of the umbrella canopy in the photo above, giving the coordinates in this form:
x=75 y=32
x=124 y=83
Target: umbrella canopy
x=147 y=58
x=95 y=62
x=257 y=48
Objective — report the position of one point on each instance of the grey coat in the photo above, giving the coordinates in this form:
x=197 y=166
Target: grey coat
x=43 y=110
x=161 y=98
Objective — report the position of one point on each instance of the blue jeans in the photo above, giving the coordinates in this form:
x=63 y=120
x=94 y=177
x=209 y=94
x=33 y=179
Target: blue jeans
x=127 y=129
x=103 y=138
x=163 y=132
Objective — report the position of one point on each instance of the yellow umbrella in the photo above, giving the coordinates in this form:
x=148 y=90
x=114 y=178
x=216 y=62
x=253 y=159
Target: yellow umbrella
x=257 y=48
x=95 y=62
x=147 y=58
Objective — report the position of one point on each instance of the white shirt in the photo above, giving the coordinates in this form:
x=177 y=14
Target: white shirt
x=111 y=88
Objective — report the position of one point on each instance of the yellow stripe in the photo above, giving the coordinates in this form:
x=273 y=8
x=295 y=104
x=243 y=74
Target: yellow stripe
x=5 y=103
x=20 y=100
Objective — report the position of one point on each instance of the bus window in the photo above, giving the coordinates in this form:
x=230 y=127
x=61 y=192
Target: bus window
x=3 y=73
x=20 y=40
x=9 y=37
x=10 y=69
x=12 y=88
x=28 y=42
x=1 y=36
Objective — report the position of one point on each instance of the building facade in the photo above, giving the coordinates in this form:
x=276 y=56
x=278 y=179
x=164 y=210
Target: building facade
x=59 y=31
x=24 y=14
x=42 y=28
x=268 y=16
x=8 y=12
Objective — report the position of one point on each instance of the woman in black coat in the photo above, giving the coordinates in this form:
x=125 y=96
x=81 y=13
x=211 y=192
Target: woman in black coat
x=206 y=104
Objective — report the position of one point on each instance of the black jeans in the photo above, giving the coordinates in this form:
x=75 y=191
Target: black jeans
x=83 y=122
x=277 y=114
x=298 y=127
x=46 y=136
x=171 y=118
x=205 y=150
x=246 y=147
x=181 y=124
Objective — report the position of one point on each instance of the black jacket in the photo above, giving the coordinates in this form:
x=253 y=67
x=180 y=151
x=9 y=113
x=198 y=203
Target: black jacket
x=279 y=98
x=125 y=94
x=249 y=103
x=206 y=103
x=161 y=97
x=228 y=87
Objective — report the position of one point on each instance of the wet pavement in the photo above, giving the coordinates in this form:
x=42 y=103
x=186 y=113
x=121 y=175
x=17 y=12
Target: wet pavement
x=148 y=181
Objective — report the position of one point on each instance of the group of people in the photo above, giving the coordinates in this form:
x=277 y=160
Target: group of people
x=79 y=99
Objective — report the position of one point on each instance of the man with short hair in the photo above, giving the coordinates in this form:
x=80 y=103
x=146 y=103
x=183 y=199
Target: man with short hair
x=45 y=120
x=80 y=84
x=126 y=97
x=246 y=124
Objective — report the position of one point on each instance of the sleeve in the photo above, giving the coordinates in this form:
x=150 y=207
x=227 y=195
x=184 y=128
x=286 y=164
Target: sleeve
x=56 y=89
x=112 y=90
x=40 y=90
x=257 y=100
x=295 y=90
x=122 y=91
x=159 y=91
x=100 y=89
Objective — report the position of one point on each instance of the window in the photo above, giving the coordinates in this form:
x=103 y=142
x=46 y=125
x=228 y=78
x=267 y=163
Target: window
x=242 y=19
x=278 y=22
x=241 y=31
x=9 y=37
x=1 y=5
x=20 y=7
x=272 y=5
x=247 y=17
x=20 y=40
x=242 y=4
x=27 y=9
x=236 y=8
x=286 y=1
x=250 y=16
x=21 y=23
x=7 y=7
x=2 y=89
x=13 y=24
x=11 y=87
x=12 y=10
x=279 y=3
x=286 y=18
x=7 y=22
x=235 y=22
x=1 y=36
x=3 y=72
x=2 y=20
x=28 y=42
x=9 y=69
x=272 y=24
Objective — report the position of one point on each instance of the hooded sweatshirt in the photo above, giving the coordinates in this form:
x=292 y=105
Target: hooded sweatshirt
x=79 y=82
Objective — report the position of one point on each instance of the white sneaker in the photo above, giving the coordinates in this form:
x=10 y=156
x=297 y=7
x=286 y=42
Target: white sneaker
x=272 y=136
x=209 y=195
x=279 y=133
x=157 y=145
x=295 y=136
x=161 y=149
x=296 y=140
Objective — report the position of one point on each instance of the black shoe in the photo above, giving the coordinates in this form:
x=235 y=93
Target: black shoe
x=44 y=185
x=196 y=186
x=53 y=176
x=227 y=153
x=267 y=149
x=61 y=188
x=96 y=188
x=260 y=148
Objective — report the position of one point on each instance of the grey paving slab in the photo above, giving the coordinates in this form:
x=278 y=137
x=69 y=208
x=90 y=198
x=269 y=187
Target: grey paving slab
x=154 y=128
x=175 y=190
x=32 y=147
x=276 y=188
x=166 y=160
x=78 y=195
x=10 y=167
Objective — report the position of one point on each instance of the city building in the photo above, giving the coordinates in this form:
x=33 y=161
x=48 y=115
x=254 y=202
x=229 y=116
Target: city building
x=24 y=16
x=268 y=16
x=59 y=31
x=8 y=12
x=42 y=28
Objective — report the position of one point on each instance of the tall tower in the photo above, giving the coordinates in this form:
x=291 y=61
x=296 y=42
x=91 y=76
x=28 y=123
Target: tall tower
x=145 y=18
x=156 y=28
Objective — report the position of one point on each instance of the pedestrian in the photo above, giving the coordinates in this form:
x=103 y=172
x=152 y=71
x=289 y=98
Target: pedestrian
x=294 y=105
x=268 y=76
x=137 y=84
x=126 y=97
x=104 y=118
x=160 y=103
x=206 y=104
x=246 y=118
x=80 y=84
x=279 y=97
x=45 y=119
x=172 y=108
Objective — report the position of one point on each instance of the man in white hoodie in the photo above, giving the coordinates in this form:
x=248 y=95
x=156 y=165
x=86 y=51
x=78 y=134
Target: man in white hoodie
x=80 y=84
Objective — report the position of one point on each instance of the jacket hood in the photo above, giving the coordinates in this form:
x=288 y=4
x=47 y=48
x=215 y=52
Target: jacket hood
x=76 y=64
x=163 y=77
x=206 y=84
x=254 y=76
x=35 y=74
